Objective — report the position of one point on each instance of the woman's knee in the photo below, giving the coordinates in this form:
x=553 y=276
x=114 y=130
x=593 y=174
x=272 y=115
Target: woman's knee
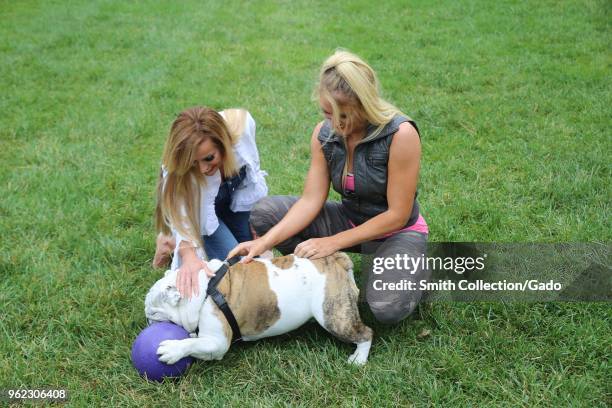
x=392 y=312
x=263 y=206
x=268 y=211
x=387 y=304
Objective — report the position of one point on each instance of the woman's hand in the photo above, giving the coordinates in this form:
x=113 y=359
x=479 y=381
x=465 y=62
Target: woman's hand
x=249 y=249
x=316 y=248
x=164 y=246
x=187 y=279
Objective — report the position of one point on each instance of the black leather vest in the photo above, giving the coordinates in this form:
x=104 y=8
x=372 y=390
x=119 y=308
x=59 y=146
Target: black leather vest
x=370 y=159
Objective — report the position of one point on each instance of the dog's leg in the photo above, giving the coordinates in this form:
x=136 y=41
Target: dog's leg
x=204 y=348
x=336 y=310
x=360 y=356
x=212 y=343
x=349 y=328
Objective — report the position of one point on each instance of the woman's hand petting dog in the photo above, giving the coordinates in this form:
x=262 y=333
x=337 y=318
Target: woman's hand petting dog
x=315 y=248
x=187 y=279
x=249 y=249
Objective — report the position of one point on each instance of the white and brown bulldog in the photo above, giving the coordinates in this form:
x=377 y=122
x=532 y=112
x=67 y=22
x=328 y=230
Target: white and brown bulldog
x=267 y=298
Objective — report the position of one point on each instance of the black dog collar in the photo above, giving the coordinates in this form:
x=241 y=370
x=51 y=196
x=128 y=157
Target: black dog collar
x=219 y=299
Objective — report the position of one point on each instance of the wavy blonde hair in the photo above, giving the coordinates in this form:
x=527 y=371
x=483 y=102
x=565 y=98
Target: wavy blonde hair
x=349 y=84
x=181 y=186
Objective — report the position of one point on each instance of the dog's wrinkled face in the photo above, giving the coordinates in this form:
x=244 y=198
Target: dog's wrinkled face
x=164 y=303
x=162 y=300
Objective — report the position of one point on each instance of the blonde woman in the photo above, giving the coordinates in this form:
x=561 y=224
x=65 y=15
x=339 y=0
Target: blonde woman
x=209 y=181
x=370 y=152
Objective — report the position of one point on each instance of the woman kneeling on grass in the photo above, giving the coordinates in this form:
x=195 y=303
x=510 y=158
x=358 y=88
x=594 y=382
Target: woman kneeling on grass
x=209 y=181
x=370 y=152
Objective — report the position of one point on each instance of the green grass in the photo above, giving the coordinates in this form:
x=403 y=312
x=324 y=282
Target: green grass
x=511 y=99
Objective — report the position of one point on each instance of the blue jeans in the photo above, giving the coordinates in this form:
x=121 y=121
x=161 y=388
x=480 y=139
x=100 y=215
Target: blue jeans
x=233 y=226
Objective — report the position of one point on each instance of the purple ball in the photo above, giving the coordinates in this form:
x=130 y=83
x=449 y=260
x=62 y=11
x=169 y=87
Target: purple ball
x=144 y=351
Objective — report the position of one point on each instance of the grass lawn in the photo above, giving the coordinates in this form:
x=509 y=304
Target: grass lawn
x=511 y=100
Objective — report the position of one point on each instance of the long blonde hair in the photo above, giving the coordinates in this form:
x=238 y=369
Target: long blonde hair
x=347 y=77
x=180 y=188
x=348 y=82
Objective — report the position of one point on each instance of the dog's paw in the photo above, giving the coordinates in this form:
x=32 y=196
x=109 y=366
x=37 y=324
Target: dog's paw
x=358 y=359
x=170 y=351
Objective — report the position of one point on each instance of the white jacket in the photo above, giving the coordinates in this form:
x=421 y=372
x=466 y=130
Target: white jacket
x=252 y=189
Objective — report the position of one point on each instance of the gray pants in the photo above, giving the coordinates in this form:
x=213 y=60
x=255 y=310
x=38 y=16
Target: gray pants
x=388 y=306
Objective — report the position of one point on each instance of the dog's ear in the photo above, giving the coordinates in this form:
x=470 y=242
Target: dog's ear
x=172 y=295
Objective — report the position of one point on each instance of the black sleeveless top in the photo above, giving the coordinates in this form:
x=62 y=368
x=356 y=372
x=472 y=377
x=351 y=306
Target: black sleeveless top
x=370 y=160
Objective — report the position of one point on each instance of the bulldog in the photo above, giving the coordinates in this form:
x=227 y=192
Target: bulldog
x=267 y=298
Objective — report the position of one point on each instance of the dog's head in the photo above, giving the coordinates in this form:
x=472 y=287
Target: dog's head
x=164 y=302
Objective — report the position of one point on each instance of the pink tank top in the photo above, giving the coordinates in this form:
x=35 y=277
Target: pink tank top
x=419 y=226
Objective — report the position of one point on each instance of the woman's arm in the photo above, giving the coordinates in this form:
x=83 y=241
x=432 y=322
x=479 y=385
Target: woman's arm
x=403 y=173
x=302 y=213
